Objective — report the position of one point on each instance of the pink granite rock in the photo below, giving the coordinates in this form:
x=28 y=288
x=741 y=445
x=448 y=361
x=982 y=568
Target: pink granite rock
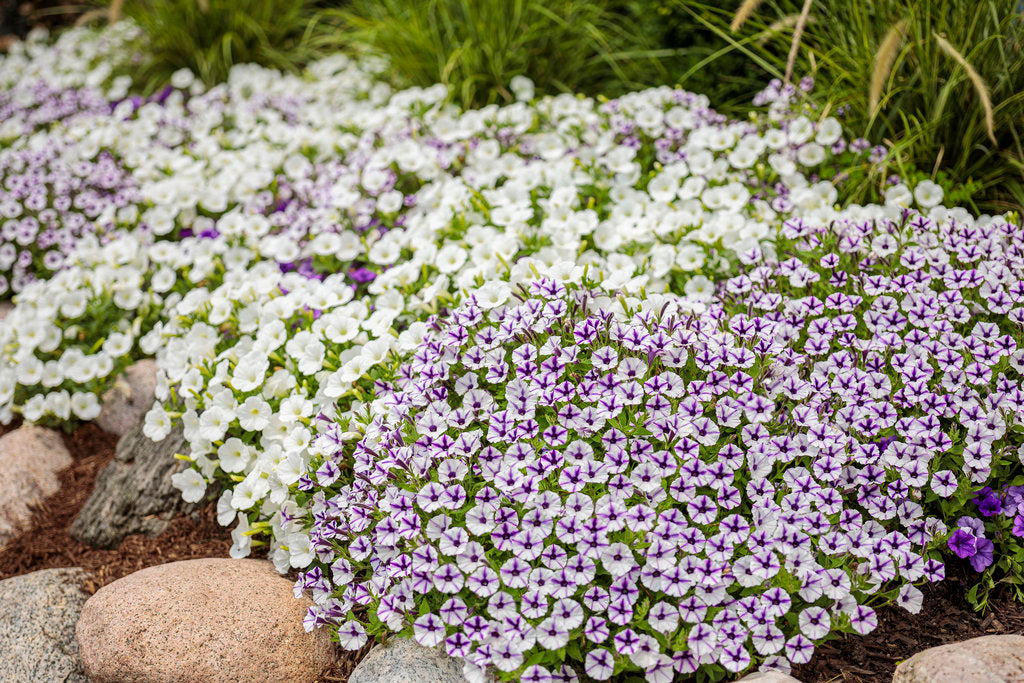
x=988 y=659
x=129 y=399
x=211 y=620
x=30 y=458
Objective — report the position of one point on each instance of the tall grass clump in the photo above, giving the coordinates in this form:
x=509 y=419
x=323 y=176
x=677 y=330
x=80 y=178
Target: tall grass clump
x=208 y=37
x=476 y=47
x=941 y=81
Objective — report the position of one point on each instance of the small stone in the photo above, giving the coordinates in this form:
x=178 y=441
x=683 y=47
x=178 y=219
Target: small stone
x=404 y=661
x=133 y=494
x=988 y=659
x=38 y=612
x=768 y=677
x=211 y=620
x=30 y=458
x=129 y=399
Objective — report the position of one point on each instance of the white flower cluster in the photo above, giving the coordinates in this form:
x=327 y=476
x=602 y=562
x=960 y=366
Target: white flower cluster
x=70 y=336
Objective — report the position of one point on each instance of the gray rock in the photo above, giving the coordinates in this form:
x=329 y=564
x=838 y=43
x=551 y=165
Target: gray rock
x=133 y=494
x=38 y=612
x=988 y=659
x=405 y=661
x=129 y=399
x=30 y=458
x=768 y=677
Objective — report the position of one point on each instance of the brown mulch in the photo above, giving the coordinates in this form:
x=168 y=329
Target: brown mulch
x=345 y=665
x=946 y=617
x=47 y=543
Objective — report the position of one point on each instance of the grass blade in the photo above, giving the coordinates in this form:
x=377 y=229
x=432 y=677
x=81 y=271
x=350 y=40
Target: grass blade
x=797 y=33
x=977 y=81
x=884 y=60
x=743 y=13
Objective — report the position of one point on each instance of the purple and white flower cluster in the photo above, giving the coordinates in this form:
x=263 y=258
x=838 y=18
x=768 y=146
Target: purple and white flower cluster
x=634 y=485
x=925 y=315
x=930 y=312
x=644 y=488
x=38 y=106
x=52 y=196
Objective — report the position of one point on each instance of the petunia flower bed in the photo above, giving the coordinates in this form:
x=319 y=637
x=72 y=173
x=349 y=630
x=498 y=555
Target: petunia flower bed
x=883 y=408
x=925 y=315
x=290 y=344
x=569 y=389
x=568 y=480
x=538 y=490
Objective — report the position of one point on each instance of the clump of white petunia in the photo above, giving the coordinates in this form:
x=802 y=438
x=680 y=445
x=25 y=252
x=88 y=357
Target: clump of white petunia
x=69 y=337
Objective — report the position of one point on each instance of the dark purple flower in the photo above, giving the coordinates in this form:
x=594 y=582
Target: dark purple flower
x=162 y=96
x=963 y=543
x=361 y=275
x=981 y=559
x=990 y=505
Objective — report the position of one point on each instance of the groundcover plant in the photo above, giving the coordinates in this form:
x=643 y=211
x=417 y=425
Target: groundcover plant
x=565 y=479
x=294 y=345
x=569 y=388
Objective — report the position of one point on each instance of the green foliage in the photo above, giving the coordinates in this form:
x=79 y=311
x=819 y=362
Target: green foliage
x=693 y=53
x=929 y=109
x=210 y=36
x=599 y=48
x=476 y=47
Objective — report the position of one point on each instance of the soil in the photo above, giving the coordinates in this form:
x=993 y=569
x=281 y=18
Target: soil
x=47 y=543
x=945 y=618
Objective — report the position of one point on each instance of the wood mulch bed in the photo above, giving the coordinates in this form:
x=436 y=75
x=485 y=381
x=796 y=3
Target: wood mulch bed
x=946 y=616
x=47 y=543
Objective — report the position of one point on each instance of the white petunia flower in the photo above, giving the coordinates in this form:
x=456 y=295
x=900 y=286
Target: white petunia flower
x=190 y=483
x=928 y=194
